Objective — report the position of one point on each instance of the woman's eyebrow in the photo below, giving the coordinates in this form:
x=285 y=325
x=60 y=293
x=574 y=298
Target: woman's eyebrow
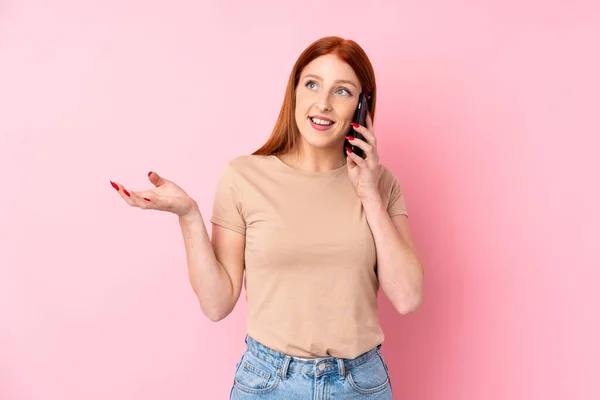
x=338 y=81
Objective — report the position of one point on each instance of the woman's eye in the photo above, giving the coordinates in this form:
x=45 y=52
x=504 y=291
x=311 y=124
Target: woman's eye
x=313 y=85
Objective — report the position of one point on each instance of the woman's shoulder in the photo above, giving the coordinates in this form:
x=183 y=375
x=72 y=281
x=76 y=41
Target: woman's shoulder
x=243 y=162
x=389 y=183
x=387 y=176
x=248 y=166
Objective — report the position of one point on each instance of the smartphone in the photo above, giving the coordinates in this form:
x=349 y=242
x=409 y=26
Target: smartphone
x=360 y=117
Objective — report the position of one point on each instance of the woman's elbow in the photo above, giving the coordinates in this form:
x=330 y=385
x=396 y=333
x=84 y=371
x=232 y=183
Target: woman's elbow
x=410 y=306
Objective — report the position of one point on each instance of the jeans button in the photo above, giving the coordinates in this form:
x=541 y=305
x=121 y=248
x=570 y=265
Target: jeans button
x=321 y=367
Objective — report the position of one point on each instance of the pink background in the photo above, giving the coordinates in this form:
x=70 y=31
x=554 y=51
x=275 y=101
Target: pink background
x=488 y=114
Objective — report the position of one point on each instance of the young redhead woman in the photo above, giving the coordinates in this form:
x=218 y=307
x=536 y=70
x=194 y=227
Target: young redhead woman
x=315 y=229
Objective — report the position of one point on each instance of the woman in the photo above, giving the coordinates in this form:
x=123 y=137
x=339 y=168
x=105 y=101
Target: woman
x=316 y=229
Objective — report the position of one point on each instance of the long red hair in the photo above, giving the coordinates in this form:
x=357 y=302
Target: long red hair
x=284 y=136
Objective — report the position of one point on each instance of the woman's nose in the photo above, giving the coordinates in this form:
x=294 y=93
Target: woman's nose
x=324 y=103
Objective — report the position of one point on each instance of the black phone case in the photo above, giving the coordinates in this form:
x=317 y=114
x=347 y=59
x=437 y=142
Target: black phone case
x=360 y=117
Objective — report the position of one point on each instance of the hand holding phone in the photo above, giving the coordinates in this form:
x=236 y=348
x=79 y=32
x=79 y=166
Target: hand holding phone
x=360 y=118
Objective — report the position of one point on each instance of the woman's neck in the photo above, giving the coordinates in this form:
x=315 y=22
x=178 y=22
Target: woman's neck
x=313 y=161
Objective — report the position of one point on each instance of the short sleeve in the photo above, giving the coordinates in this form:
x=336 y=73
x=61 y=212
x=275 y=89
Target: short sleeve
x=396 y=204
x=227 y=206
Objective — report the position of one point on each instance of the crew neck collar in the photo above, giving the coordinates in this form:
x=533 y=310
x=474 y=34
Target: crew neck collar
x=296 y=171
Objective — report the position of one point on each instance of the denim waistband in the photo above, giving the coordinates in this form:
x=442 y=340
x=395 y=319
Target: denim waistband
x=319 y=366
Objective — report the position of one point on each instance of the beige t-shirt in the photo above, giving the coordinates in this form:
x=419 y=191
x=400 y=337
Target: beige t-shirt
x=311 y=282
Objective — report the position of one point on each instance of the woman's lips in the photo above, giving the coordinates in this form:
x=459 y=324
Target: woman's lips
x=318 y=127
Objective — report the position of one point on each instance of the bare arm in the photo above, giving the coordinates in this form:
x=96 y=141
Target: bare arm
x=215 y=269
x=399 y=268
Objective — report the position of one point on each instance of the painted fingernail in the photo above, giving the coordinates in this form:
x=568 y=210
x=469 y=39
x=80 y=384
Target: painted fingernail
x=114 y=185
x=348 y=150
x=147 y=199
x=354 y=124
x=149 y=173
x=126 y=192
x=350 y=137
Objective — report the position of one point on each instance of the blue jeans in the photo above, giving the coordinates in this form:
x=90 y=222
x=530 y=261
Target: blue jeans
x=263 y=373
